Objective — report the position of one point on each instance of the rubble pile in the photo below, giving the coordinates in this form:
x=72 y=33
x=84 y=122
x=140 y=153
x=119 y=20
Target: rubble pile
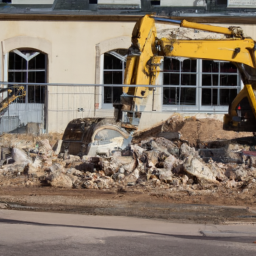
x=153 y=163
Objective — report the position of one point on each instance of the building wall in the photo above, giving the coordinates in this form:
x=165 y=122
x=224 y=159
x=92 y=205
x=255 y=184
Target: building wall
x=75 y=52
x=71 y=49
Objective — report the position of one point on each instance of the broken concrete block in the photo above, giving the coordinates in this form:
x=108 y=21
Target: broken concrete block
x=170 y=162
x=132 y=177
x=57 y=147
x=61 y=181
x=20 y=156
x=165 y=175
x=186 y=150
x=194 y=167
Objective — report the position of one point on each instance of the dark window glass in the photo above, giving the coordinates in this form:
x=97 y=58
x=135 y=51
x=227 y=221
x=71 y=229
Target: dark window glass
x=210 y=66
x=16 y=62
x=113 y=77
x=112 y=94
x=36 y=77
x=227 y=67
x=188 y=79
x=188 y=65
x=227 y=96
x=209 y=97
x=210 y=80
x=228 y=80
x=93 y=1
x=35 y=94
x=188 y=96
x=37 y=62
x=155 y=2
x=171 y=64
x=172 y=79
x=171 y=96
x=111 y=62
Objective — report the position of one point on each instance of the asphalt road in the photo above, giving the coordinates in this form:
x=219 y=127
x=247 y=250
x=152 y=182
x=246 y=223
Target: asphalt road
x=36 y=233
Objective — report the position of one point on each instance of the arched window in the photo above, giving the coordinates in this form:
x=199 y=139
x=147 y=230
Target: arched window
x=28 y=66
x=113 y=73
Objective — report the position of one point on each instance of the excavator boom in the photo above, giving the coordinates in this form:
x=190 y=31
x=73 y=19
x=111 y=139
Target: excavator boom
x=147 y=52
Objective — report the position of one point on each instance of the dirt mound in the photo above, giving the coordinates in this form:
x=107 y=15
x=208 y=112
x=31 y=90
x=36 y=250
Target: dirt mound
x=192 y=130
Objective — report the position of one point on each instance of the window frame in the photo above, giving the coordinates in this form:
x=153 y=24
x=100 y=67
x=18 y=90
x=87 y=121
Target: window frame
x=103 y=104
x=198 y=108
x=27 y=71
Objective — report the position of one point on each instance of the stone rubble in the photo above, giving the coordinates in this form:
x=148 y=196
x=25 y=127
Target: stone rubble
x=153 y=163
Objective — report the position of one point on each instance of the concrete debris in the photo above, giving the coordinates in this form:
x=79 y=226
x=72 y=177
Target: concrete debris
x=151 y=162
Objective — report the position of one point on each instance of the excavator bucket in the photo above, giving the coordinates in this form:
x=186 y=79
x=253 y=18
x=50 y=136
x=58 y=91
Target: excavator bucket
x=94 y=136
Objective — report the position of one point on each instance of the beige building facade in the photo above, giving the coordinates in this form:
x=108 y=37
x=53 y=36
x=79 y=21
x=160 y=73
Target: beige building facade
x=82 y=53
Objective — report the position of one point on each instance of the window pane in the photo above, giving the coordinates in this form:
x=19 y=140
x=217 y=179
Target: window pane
x=209 y=97
x=36 y=77
x=227 y=67
x=111 y=62
x=210 y=80
x=171 y=64
x=188 y=65
x=112 y=94
x=172 y=79
x=37 y=62
x=16 y=62
x=19 y=77
x=36 y=94
x=210 y=66
x=188 y=79
x=113 y=77
x=171 y=96
x=108 y=94
x=188 y=96
x=227 y=96
x=228 y=80
x=117 y=92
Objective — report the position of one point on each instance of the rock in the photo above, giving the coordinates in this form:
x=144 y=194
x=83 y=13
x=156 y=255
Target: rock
x=185 y=180
x=72 y=158
x=165 y=175
x=56 y=168
x=104 y=182
x=186 y=150
x=61 y=181
x=3 y=206
x=132 y=177
x=170 y=162
x=20 y=156
x=240 y=173
x=44 y=147
x=88 y=184
x=230 y=174
x=117 y=161
x=57 y=147
x=196 y=168
x=169 y=145
x=75 y=172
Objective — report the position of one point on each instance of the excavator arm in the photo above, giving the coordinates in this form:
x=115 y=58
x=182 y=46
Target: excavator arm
x=8 y=100
x=147 y=52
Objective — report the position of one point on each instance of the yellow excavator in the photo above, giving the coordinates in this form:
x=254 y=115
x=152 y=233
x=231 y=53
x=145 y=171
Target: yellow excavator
x=147 y=52
x=143 y=67
x=13 y=93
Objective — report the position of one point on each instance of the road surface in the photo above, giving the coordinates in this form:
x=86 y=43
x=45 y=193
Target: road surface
x=41 y=233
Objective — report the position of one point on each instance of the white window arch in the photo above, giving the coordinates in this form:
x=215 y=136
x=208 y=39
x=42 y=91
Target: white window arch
x=28 y=66
x=113 y=73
